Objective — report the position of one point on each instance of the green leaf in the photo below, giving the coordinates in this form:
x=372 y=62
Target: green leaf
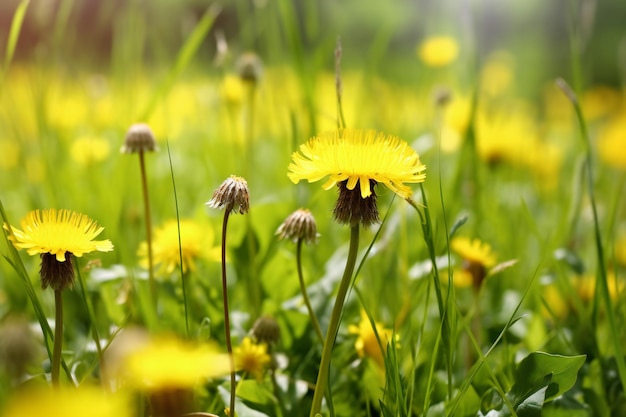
x=557 y=372
x=255 y=392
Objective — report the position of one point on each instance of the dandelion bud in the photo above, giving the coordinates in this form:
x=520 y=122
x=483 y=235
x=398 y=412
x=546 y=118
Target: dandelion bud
x=298 y=225
x=249 y=67
x=442 y=96
x=266 y=330
x=139 y=138
x=231 y=196
x=18 y=347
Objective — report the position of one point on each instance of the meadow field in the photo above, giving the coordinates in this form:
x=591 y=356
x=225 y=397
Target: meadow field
x=291 y=208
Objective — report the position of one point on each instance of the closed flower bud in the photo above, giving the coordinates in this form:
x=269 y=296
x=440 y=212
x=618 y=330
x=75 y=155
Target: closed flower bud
x=139 y=138
x=231 y=196
x=298 y=225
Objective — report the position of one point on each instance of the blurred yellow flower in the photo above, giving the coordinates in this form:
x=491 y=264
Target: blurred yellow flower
x=586 y=286
x=170 y=363
x=87 y=150
x=612 y=142
x=10 y=151
x=358 y=156
x=196 y=241
x=498 y=73
x=477 y=259
x=620 y=249
x=251 y=357
x=559 y=307
x=599 y=101
x=366 y=344
x=35 y=169
x=69 y=402
x=233 y=90
x=438 y=51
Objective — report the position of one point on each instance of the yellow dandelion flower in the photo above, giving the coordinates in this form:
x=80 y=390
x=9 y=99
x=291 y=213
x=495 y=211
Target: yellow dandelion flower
x=196 y=241
x=87 y=150
x=438 y=51
x=69 y=402
x=358 y=156
x=170 y=363
x=251 y=357
x=366 y=344
x=57 y=232
x=477 y=257
x=57 y=236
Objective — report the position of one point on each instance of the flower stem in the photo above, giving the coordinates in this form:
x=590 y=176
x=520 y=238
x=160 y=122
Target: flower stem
x=58 y=337
x=229 y=346
x=146 y=204
x=335 y=319
x=305 y=296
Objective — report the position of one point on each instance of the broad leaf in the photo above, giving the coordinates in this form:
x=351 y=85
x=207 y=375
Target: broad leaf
x=533 y=370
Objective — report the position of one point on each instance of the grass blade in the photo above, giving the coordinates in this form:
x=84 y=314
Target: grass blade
x=14 y=33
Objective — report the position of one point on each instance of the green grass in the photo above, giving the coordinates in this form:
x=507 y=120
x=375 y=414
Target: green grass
x=533 y=340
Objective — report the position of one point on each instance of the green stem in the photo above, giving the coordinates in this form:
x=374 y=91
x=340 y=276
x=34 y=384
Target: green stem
x=146 y=205
x=335 y=319
x=305 y=296
x=58 y=337
x=229 y=346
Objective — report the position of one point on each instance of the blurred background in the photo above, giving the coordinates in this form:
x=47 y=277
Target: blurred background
x=378 y=36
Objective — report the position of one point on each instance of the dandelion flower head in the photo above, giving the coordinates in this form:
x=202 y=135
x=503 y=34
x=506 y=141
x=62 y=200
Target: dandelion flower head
x=358 y=156
x=477 y=258
x=473 y=250
x=366 y=344
x=251 y=357
x=57 y=232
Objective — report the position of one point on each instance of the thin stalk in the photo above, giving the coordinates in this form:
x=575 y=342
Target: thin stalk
x=58 y=337
x=305 y=296
x=229 y=346
x=146 y=205
x=183 y=273
x=335 y=319
x=92 y=316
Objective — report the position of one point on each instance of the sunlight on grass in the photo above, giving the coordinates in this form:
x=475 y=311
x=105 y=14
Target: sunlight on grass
x=465 y=249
